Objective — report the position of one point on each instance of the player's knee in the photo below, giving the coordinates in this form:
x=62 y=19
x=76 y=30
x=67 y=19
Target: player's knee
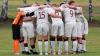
x=25 y=44
x=45 y=38
x=66 y=38
x=34 y=39
x=59 y=38
x=52 y=38
x=73 y=39
x=79 y=40
x=83 y=38
x=40 y=39
x=32 y=46
x=22 y=40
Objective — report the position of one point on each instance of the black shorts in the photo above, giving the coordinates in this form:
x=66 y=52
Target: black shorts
x=16 y=31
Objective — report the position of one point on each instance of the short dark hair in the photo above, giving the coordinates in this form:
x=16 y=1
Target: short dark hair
x=70 y=2
x=61 y=4
x=55 y=5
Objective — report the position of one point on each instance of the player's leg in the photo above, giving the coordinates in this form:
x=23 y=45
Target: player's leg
x=84 y=43
x=39 y=32
x=33 y=50
x=60 y=43
x=54 y=29
x=84 y=32
x=79 y=36
x=25 y=35
x=68 y=30
x=30 y=31
x=16 y=37
x=52 y=44
x=22 y=42
x=34 y=39
x=45 y=36
x=22 y=45
x=35 y=33
x=74 y=38
x=59 y=37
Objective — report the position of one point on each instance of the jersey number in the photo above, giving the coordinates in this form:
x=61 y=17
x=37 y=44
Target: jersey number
x=71 y=13
x=41 y=15
x=57 y=12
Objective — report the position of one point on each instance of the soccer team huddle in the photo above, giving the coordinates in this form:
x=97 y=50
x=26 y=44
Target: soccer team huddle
x=54 y=22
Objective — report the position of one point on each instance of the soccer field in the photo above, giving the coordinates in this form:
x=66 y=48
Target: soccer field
x=6 y=47
x=93 y=44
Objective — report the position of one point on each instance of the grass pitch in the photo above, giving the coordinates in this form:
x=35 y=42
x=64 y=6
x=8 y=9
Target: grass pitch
x=6 y=47
x=93 y=45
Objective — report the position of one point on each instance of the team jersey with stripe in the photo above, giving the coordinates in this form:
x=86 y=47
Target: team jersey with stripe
x=52 y=11
x=80 y=17
x=69 y=14
x=42 y=15
x=28 y=9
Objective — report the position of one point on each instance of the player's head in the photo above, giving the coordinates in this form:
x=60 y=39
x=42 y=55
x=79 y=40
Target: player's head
x=71 y=2
x=54 y=5
x=61 y=4
x=42 y=6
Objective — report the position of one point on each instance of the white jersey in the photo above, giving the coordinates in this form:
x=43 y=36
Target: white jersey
x=52 y=11
x=69 y=14
x=82 y=19
x=42 y=15
x=79 y=15
x=28 y=9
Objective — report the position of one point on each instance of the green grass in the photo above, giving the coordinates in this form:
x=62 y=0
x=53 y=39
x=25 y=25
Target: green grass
x=93 y=45
x=6 y=47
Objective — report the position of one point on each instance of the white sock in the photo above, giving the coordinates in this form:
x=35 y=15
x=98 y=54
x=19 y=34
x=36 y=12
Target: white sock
x=52 y=45
x=40 y=46
x=26 y=49
x=74 y=45
x=84 y=45
x=66 y=46
x=22 y=46
x=79 y=47
x=46 y=46
x=60 y=43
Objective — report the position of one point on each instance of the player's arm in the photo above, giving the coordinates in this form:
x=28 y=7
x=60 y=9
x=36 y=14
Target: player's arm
x=72 y=7
x=79 y=11
x=51 y=14
x=55 y=16
x=27 y=11
x=58 y=9
x=30 y=16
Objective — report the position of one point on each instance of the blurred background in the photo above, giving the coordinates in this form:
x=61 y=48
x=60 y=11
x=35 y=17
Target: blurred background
x=93 y=38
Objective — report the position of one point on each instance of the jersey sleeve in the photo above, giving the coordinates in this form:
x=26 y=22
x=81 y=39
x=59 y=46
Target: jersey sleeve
x=61 y=8
x=35 y=13
x=49 y=10
x=28 y=10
